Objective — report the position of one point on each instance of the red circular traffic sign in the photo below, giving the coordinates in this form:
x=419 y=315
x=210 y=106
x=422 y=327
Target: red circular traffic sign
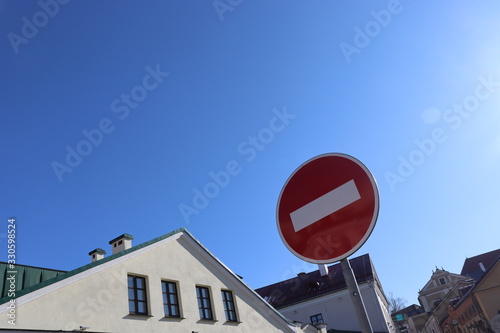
x=327 y=208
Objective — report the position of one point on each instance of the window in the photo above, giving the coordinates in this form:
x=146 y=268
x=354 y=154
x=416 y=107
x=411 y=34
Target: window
x=229 y=308
x=137 y=299
x=170 y=299
x=317 y=319
x=204 y=304
x=442 y=281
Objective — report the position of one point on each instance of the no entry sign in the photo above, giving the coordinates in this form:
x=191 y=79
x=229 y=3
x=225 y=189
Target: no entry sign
x=327 y=208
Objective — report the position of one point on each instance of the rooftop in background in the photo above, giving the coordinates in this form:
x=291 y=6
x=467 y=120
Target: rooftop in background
x=472 y=266
x=311 y=285
x=410 y=311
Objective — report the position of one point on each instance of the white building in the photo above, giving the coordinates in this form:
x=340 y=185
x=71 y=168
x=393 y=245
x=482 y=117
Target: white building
x=169 y=284
x=322 y=297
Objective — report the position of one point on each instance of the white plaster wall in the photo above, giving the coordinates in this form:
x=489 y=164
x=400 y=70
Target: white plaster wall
x=338 y=310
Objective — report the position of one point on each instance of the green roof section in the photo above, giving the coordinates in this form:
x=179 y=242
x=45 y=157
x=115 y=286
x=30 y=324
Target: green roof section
x=124 y=236
x=23 y=277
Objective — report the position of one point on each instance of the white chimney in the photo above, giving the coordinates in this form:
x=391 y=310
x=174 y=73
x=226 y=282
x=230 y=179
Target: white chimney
x=121 y=243
x=481 y=265
x=323 y=269
x=96 y=254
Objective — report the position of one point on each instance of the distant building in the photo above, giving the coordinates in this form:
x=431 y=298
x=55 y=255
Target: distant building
x=401 y=318
x=169 y=284
x=478 y=305
x=468 y=302
x=440 y=283
x=322 y=297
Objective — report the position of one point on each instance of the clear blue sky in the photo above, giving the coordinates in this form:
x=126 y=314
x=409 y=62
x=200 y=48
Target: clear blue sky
x=113 y=115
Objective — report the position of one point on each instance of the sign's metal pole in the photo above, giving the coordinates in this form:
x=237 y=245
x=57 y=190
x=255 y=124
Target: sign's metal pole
x=357 y=300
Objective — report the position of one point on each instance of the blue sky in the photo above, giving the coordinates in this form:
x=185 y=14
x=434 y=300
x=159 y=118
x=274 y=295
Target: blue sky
x=155 y=99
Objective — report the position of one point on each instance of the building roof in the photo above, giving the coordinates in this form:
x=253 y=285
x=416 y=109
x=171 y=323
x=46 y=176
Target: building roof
x=311 y=285
x=471 y=265
x=32 y=287
x=26 y=276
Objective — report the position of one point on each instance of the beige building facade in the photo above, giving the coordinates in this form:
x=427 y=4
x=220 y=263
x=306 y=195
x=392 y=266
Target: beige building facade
x=169 y=284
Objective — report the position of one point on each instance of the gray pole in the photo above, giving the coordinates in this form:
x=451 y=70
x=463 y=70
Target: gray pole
x=357 y=300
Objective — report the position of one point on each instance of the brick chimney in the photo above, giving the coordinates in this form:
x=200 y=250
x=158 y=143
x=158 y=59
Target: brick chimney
x=121 y=243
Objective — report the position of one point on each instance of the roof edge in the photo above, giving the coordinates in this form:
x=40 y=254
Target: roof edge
x=252 y=291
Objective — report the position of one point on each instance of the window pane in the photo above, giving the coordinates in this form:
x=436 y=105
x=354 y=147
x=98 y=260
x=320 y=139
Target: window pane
x=140 y=282
x=131 y=306
x=141 y=307
x=131 y=294
x=206 y=303
x=130 y=281
x=163 y=287
x=175 y=312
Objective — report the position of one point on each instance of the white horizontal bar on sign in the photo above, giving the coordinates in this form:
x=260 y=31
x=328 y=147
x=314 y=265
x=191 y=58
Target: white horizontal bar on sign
x=325 y=205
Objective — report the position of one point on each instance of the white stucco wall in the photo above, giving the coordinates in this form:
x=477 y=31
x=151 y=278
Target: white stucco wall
x=338 y=310
x=98 y=297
